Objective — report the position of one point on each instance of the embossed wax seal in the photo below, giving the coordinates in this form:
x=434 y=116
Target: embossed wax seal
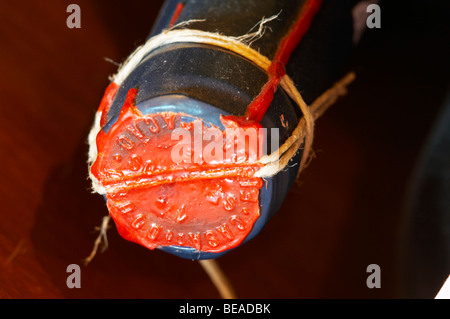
x=166 y=185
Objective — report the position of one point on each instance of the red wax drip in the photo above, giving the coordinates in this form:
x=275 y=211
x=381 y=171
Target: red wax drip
x=258 y=107
x=176 y=14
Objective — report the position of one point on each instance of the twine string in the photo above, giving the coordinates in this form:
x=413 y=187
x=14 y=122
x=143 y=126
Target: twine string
x=303 y=132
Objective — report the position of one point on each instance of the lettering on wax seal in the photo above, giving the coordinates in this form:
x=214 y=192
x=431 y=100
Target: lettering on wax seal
x=206 y=198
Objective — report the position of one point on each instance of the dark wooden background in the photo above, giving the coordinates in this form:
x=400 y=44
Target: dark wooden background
x=345 y=213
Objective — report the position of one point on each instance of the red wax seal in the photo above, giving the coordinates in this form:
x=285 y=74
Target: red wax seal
x=166 y=185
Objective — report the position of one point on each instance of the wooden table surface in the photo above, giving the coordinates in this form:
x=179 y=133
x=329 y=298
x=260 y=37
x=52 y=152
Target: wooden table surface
x=345 y=213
